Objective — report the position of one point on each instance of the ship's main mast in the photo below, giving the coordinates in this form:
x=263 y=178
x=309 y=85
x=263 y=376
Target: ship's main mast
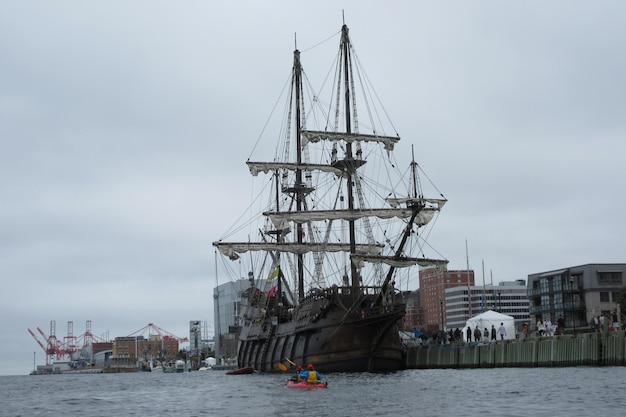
x=297 y=75
x=350 y=168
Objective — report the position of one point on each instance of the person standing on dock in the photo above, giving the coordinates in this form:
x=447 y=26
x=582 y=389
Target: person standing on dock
x=560 y=324
x=493 y=332
x=477 y=334
x=548 y=325
x=469 y=334
x=541 y=329
x=502 y=331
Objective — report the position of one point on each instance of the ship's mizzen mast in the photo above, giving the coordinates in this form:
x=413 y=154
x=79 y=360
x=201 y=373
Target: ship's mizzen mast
x=416 y=206
x=414 y=175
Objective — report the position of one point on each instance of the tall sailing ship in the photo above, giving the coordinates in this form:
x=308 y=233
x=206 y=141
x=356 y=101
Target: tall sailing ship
x=324 y=264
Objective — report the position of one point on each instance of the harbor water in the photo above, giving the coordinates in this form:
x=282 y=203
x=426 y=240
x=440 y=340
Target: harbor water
x=592 y=391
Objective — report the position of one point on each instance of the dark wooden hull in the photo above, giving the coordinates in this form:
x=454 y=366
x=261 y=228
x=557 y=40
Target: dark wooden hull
x=324 y=332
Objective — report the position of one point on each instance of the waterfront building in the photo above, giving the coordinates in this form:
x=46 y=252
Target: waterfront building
x=576 y=293
x=508 y=297
x=102 y=352
x=413 y=316
x=227 y=302
x=199 y=341
x=433 y=285
x=128 y=351
x=195 y=337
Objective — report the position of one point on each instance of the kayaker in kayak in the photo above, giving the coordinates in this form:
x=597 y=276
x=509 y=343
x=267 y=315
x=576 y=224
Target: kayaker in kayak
x=297 y=377
x=311 y=376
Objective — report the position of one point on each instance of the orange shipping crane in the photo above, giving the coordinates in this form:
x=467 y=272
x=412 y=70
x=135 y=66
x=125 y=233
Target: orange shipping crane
x=51 y=348
x=69 y=341
x=40 y=344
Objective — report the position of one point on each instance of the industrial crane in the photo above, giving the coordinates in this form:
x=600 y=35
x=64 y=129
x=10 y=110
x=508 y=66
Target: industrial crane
x=152 y=328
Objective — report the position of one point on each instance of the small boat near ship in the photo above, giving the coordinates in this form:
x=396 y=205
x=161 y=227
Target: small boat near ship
x=241 y=371
x=333 y=237
x=155 y=367
x=175 y=367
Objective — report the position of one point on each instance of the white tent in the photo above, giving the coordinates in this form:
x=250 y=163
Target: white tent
x=486 y=320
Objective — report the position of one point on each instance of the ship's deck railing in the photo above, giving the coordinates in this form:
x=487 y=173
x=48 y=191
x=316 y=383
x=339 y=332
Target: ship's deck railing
x=348 y=290
x=358 y=299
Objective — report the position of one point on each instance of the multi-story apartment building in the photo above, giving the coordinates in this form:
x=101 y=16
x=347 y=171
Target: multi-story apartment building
x=576 y=293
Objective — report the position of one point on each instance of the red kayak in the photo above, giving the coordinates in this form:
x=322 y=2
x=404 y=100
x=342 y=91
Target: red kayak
x=304 y=384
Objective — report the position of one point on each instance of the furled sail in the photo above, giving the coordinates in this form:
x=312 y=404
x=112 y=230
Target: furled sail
x=435 y=202
x=421 y=219
x=316 y=136
x=265 y=167
x=401 y=262
x=233 y=249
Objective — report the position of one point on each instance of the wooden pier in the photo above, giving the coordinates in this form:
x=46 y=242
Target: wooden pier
x=591 y=349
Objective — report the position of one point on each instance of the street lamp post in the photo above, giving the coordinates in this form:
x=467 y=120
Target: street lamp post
x=441 y=309
x=499 y=302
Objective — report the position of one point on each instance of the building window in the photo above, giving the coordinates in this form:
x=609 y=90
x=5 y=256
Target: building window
x=614 y=296
x=609 y=278
x=604 y=297
x=558 y=299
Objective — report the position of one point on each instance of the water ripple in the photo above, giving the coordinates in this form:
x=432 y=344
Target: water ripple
x=470 y=392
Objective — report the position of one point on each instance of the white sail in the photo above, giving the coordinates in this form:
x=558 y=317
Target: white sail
x=422 y=218
x=316 y=136
x=233 y=249
x=265 y=167
x=359 y=260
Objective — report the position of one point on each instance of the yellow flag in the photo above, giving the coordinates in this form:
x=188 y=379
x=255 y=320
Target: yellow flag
x=273 y=275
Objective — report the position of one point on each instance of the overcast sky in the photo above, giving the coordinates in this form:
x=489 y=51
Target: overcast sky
x=124 y=128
